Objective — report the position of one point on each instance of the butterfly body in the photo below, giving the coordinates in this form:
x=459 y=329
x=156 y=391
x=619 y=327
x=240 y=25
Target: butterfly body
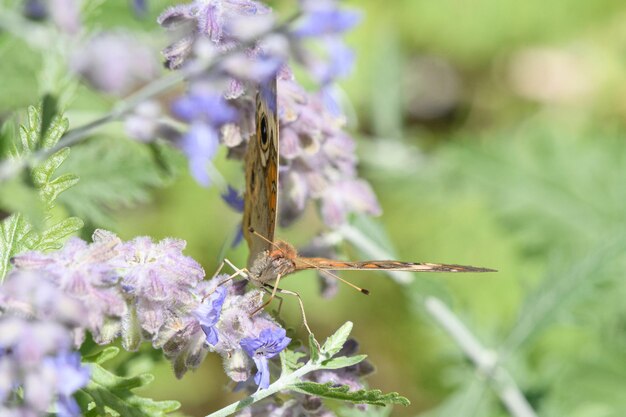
x=283 y=259
x=270 y=260
x=269 y=264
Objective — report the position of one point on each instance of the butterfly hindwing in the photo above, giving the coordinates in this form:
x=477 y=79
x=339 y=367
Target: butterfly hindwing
x=260 y=201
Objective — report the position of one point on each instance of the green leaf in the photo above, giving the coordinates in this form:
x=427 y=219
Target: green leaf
x=314 y=349
x=290 y=360
x=335 y=342
x=343 y=393
x=16 y=195
x=115 y=173
x=108 y=394
x=31 y=226
x=103 y=356
x=342 y=361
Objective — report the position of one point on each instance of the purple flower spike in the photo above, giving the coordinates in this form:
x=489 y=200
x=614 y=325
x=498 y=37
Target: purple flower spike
x=269 y=344
x=208 y=314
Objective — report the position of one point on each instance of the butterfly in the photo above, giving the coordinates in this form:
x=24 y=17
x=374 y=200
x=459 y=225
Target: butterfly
x=270 y=260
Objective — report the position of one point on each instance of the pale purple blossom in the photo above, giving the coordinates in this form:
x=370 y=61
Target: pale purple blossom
x=204 y=19
x=84 y=272
x=206 y=113
x=325 y=22
x=158 y=277
x=323 y=17
x=39 y=326
x=66 y=15
x=318 y=159
x=269 y=343
x=147 y=123
x=115 y=63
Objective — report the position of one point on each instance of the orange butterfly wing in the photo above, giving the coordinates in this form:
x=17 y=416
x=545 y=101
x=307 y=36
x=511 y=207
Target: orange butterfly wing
x=332 y=265
x=260 y=199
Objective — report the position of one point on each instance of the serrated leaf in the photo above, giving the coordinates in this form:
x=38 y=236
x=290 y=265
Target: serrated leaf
x=52 y=237
x=14 y=232
x=290 y=360
x=114 y=173
x=110 y=394
x=43 y=172
x=342 y=361
x=29 y=134
x=58 y=126
x=343 y=393
x=335 y=342
x=19 y=233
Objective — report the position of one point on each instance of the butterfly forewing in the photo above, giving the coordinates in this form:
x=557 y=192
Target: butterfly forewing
x=332 y=265
x=260 y=202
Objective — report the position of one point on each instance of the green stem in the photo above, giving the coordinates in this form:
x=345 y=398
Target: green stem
x=281 y=384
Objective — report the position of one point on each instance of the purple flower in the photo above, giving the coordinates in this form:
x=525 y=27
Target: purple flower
x=159 y=277
x=85 y=273
x=66 y=15
x=36 y=360
x=326 y=20
x=115 y=63
x=35 y=9
x=345 y=197
x=140 y=7
x=71 y=376
x=206 y=112
x=233 y=198
x=207 y=107
x=208 y=314
x=204 y=19
x=268 y=344
x=145 y=123
x=200 y=145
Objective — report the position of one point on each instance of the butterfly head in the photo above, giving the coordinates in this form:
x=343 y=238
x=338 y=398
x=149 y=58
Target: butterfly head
x=278 y=261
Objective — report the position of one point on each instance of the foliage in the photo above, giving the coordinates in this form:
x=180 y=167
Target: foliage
x=109 y=394
x=116 y=174
x=374 y=397
x=32 y=226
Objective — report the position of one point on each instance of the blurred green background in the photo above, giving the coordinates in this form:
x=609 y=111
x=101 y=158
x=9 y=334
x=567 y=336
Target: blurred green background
x=493 y=133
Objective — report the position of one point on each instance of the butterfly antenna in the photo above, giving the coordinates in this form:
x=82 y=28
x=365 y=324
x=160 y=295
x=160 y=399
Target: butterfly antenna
x=361 y=290
x=257 y=234
x=324 y=271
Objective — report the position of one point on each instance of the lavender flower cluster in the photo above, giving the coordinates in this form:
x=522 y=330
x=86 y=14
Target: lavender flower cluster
x=318 y=161
x=39 y=371
x=141 y=291
x=247 y=47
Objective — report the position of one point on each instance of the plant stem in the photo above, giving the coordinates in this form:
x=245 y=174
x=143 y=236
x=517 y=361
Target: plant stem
x=10 y=168
x=485 y=360
x=280 y=384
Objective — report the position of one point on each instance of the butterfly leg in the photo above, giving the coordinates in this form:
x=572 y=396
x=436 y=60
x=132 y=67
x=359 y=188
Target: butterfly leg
x=242 y=272
x=304 y=321
x=272 y=295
